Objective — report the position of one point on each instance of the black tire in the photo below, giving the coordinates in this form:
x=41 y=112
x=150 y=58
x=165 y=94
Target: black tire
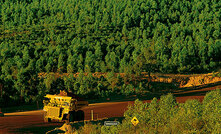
x=80 y=115
x=72 y=116
x=65 y=117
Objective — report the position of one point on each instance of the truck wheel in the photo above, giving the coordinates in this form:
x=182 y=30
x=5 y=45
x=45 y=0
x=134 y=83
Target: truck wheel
x=80 y=115
x=72 y=116
x=65 y=117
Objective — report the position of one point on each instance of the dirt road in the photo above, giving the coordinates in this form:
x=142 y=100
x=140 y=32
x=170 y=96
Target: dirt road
x=32 y=121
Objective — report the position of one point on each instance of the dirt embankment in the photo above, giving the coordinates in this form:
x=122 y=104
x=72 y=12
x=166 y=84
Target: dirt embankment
x=181 y=81
x=201 y=80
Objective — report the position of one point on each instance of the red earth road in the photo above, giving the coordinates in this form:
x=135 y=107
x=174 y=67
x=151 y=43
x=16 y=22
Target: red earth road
x=32 y=121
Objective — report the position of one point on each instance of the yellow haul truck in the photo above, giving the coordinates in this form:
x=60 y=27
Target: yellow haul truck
x=64 y=106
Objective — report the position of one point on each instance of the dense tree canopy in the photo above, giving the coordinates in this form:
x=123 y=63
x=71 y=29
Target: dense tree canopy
x=105 y=36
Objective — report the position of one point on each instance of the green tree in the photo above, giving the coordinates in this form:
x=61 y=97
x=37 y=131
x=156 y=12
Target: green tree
x=61 y=63
x=149 y=56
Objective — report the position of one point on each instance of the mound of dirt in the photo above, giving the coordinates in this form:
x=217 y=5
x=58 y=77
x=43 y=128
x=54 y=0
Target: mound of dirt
x=201 y=80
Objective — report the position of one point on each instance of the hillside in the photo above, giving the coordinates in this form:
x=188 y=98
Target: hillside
x=108 y=36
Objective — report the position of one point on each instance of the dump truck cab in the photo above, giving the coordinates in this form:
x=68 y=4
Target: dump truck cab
x=63 y=106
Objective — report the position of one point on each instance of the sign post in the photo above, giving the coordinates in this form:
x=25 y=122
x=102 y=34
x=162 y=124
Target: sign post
x=111 y=123
x=92 y=115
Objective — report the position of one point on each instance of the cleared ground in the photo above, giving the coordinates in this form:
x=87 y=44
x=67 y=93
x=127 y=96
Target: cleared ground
x=32 y=121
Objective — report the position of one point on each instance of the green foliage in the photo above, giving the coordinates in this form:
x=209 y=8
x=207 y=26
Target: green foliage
x=127 y=89
x=212 y=111
x=90 y=129
x=110 y=36
x=49 y=80
x=188 y=118
x=138 y=109
x=167 y=116
x=167 y=110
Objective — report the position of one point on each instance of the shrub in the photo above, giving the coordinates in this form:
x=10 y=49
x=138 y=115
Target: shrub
x=212 y=111
x=110 y=129
x=139 y=110
x=89 y=128
x=167 y=109
x=127 y=89
x=188 y=118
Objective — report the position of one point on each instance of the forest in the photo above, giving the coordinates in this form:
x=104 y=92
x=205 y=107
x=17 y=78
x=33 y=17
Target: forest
x=108 y=36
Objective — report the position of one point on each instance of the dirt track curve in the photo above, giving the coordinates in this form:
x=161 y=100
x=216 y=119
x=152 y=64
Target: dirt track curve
x=32 y=121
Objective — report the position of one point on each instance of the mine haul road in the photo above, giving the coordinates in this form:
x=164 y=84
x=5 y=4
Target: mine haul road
x=32 y=121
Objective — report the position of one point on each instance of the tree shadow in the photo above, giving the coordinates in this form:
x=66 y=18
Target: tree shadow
x=185 y=89
x=196 y=90
x=162 y=88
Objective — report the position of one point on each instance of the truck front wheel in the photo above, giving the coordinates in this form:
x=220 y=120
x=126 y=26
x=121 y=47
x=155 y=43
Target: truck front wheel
x=80 y=115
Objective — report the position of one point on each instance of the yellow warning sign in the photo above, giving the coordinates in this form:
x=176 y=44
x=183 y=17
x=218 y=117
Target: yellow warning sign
x=135 y=121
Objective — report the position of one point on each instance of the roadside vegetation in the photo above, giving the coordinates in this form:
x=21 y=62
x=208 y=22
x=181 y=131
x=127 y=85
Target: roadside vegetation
x=108 y=36
x=167 y=116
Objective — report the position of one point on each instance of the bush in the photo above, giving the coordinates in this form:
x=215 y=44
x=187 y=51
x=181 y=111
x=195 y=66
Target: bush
x=188 y=119
x=167 y=109
x=127 y=89
x=89 y=128
x=212 y=111
x=139 y=109
x=110 y=129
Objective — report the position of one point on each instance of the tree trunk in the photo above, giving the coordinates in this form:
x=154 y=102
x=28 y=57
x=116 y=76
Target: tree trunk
x=37 y=104
x=149 y=81
x=1 y=86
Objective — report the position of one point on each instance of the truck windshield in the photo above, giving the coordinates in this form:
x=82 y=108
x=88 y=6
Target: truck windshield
x=46 y=101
